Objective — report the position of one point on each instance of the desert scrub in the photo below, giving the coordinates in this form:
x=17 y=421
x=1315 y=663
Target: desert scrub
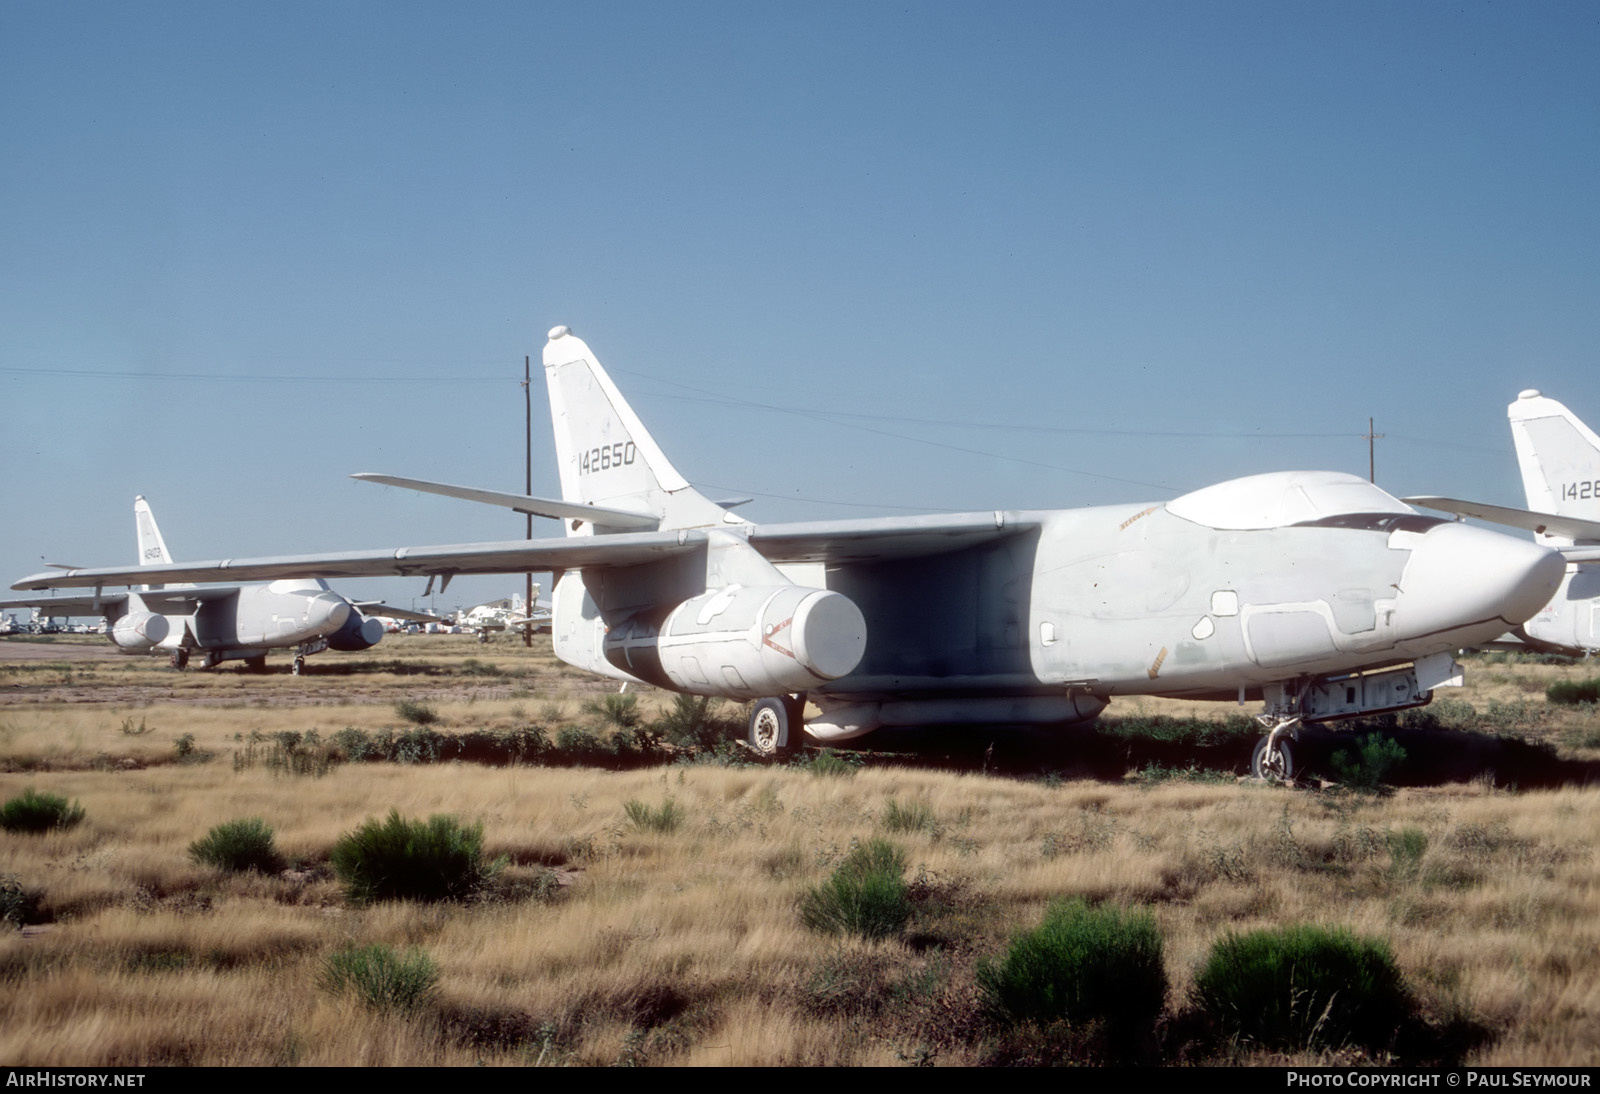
x=867 y=894
x=1083 y=965
x=1370 y=764
x=664 y=818
x=1574 y=691
x=400 y=859
x=914 y=816
x=418 y=714
x=31 y=811
x=238 y=845
x=1303 y=986
x=828 y=765
x=382 y=978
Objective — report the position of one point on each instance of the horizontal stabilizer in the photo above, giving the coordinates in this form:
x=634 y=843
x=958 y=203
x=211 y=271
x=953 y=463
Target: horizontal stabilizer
x=64 y=607
x=1542 y=523
x=627 y=519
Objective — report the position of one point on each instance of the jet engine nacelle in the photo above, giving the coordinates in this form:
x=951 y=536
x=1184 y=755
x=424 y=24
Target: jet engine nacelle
x=745 y=642
x=360 y=632
x=140 y=630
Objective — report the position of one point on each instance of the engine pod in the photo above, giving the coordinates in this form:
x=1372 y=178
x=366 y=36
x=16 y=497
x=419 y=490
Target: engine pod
x=140 y=630
x=746 y=642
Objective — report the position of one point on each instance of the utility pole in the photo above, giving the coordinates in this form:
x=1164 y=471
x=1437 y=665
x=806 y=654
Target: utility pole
x=527 y=488
x=1372 y=466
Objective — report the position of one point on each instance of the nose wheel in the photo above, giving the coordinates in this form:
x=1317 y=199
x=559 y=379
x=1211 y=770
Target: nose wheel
x=1273 y=761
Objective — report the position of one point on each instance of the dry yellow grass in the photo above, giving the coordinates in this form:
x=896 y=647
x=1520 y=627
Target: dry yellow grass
x=685 y=947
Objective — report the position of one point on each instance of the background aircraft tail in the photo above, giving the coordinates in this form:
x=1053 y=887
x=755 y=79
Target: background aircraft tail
x=1560 y=460
x=606 y=456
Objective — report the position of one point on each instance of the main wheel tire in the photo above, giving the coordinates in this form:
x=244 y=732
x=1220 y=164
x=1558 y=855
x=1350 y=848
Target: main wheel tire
x=773 y=722
x=1277 y=768
x=299 y=664
x=180 y=659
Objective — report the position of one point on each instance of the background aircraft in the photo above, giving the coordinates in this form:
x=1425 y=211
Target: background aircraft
x=1314 y=592
x=506 y=614
x=222 y=622
x=1559 y=457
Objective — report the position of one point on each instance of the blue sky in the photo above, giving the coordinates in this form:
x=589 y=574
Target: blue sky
x=849 y=258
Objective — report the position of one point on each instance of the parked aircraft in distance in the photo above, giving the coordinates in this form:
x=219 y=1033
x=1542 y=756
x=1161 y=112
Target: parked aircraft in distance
x=506 y=614
x=222 y=622
x=1314 y=592
x=1559 y=458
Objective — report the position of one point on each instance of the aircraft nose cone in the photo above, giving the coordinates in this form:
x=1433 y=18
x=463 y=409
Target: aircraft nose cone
x=1464 y=578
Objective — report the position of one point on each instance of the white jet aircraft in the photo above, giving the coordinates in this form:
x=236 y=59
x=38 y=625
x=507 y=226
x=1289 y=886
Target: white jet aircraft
x=1559 y=458
x=222 y=622
x=506 y=614
x=1314 y=592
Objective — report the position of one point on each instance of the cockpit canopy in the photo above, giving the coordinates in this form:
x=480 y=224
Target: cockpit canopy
x=1328 y=499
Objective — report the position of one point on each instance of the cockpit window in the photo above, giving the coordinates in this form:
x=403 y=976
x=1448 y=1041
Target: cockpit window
x=1376 y=522
x=1284 y=499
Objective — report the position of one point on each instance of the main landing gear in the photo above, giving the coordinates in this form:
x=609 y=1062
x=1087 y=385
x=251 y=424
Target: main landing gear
x=180 y=659
x=298 y=664
x=774 y=722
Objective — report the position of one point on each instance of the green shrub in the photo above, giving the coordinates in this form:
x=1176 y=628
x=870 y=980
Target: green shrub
x=664 y=818
x=1366 y=769
x=1574 y=691
x=617 y=711
x=238 y=845
x=32 y=811
x=1083 y=965
x=867 y=895
x=691 y=721
x=418 y=714
x=1303 y=986
x=828 y=765
x=399 y=859
x=381 y=978
x=914 y=816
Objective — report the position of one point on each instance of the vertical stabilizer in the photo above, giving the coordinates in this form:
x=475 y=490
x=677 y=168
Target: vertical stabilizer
x=605 y=454
x=1560 y=460
x=152 y=548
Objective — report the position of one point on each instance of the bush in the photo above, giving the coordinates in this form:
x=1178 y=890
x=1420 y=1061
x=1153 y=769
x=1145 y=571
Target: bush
x=1370 y=765
x=691 y=721
x=914 y=816
x=418 y=714
x=828 y=765
x=381 y=978
x=1574 y=691
x=867 y=895
x=617 y=711
x=1297 y=987
x=32 y=811
x=1083 y=965
x=399 y=859
x=238 y=845
x=663 y=819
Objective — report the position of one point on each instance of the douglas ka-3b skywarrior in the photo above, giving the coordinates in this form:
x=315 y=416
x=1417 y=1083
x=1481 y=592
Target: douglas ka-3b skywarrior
x=220 y=622
x=1314 y=592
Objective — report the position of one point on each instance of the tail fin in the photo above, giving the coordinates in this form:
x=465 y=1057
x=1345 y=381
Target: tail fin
x=606 y=455
x=1560 y=460
x=152 y=548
